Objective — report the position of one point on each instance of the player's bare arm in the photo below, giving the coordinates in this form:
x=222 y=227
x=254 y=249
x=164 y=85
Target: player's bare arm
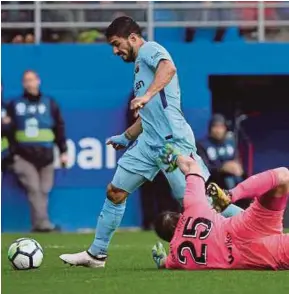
x=164 y=74
x=122 y=141
x=134 y=131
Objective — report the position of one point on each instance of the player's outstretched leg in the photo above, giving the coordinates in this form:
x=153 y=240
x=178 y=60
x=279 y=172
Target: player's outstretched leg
x=259 y=229
x=108 y=221
x=123 y=184
x=276 y=198
x=262 y=186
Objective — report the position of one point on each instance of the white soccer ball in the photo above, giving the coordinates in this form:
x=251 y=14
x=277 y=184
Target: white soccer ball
x=25 y=253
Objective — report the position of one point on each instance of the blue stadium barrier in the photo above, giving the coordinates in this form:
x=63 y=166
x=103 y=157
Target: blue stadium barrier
x=92 y=87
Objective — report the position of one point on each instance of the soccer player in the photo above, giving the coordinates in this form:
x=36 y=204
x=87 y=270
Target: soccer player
x=200 y=238
x=160 y=120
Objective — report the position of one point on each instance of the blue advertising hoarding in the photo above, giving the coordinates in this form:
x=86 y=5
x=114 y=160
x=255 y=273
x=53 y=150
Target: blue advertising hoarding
x=92 y=87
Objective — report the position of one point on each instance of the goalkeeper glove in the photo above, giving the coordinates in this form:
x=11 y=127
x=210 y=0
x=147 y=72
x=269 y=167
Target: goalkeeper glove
x=159 y=255
x=169 y=156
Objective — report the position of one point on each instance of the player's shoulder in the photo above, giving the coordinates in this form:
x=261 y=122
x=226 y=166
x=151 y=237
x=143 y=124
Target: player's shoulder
x=150 y=47
x=152 y=44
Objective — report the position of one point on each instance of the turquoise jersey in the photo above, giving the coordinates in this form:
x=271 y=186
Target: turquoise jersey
x=162 y=118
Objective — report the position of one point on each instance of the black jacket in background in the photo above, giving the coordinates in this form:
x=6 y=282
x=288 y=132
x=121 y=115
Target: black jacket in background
x=39 y=156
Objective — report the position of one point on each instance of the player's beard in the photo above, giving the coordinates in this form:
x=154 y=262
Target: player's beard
x=130 y=57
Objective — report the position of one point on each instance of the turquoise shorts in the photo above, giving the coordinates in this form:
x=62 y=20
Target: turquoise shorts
x=141 y=163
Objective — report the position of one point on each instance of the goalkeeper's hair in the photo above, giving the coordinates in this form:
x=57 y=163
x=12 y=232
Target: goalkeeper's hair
x=165 y=224
x=122 y=27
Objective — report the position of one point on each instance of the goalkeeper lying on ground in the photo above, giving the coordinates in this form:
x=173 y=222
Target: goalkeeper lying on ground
x=200 y=238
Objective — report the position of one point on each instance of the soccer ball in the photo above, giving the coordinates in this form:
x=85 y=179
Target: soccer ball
x=25 y=253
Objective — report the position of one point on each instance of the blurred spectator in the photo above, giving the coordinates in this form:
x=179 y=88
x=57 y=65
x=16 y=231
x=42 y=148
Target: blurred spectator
x=206 y=12
x=219 y=152
x=52 y=36
x=283 y=13
x=29 y=39
x=209 y=13
x=219 y=14
x=91 y=36
x=156 y=196
x=18 y=39
x=36 y=124
x=251 y=14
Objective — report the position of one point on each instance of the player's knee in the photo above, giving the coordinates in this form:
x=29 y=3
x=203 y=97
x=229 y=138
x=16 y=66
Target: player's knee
x=282 y=175
x=46 y=189
x=116 y=195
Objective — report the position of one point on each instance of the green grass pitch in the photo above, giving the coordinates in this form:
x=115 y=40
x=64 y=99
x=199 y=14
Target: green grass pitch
x=129 y=270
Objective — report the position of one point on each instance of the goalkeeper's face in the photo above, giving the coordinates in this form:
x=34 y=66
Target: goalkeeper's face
x=123 y=47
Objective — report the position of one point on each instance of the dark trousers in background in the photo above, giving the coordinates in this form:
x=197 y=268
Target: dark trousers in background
x=37 y=183
x=156 y=197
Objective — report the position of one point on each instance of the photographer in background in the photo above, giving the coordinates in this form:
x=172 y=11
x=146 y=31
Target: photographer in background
x=219 y=152
x=36 y=125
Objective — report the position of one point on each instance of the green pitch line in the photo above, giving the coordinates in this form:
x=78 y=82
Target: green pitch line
x=130 y=270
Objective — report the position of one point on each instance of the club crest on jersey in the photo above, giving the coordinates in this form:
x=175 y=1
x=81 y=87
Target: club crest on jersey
x=136 y=70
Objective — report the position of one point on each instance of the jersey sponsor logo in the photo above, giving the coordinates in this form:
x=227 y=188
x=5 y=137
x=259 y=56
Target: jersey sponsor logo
x=229 y=245
x=136 y=70
x=139 y=84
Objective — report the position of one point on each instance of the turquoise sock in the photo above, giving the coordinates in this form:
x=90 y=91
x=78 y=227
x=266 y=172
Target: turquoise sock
x=231 y=210
x=108 y=221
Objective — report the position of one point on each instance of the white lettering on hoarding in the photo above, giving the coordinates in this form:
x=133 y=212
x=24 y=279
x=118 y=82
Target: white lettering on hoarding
x=93 y=154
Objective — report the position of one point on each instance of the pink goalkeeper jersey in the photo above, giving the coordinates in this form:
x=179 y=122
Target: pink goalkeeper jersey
x=200 y=240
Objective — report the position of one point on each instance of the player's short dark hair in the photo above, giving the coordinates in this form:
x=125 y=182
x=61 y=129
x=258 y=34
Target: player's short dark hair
x=122 y=27
x=165 y=224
